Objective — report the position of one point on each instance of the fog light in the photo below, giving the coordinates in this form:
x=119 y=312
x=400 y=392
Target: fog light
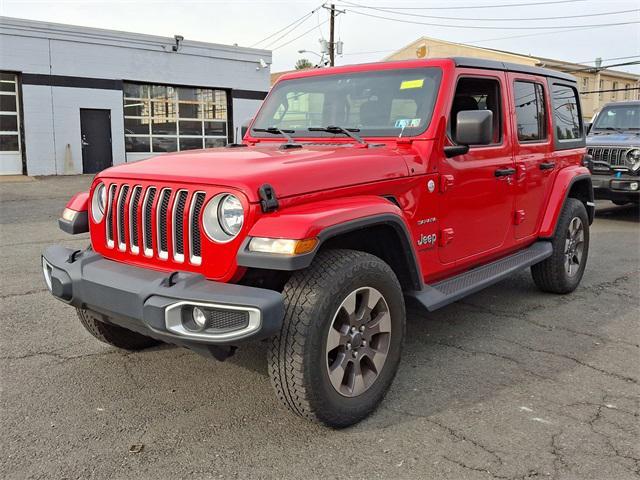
x=199 y=317
x=633 y=185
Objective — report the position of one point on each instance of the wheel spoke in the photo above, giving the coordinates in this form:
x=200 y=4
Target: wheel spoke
x=356 y=380
x=349 y=304
x=337 y=371
x=380 y=324
x=373 y=297
x=377 y=358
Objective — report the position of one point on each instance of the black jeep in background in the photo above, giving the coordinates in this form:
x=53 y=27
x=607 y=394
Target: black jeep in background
x=614 y=145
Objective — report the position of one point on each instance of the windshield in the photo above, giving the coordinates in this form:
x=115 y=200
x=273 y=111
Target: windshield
x=618 y=117
x=376 y=103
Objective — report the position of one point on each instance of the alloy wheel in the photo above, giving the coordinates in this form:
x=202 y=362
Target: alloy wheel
x=358 y=341
x=574 y=247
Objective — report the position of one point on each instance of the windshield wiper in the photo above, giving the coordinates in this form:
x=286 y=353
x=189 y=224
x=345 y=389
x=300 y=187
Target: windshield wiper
x=280 y=131
x=349 y=132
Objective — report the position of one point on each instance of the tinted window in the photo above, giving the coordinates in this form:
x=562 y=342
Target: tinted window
x=379 y=103
x=566 y=115
x=530 y=111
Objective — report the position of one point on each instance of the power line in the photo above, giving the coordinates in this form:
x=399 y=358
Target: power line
x=502 y=19
x=301 y=20
x=300 y=36
x=612 y=90
x=488 y=27
x=609 y=59
x=602 y=67
x=469 y=7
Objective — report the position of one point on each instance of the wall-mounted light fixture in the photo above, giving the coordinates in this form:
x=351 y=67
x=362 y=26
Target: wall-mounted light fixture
x=179 y=39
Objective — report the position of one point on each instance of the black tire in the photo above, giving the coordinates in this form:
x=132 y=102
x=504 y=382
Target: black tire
x=112 y=334
x=551 y=275
x=298 y=358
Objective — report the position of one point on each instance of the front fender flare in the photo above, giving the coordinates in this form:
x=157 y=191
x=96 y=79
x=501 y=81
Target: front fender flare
x=324 y=220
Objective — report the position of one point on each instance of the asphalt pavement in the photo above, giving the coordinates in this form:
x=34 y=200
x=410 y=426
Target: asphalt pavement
x=509 y=383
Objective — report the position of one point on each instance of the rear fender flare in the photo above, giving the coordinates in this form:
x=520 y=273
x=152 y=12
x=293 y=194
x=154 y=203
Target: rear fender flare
x=565 y=181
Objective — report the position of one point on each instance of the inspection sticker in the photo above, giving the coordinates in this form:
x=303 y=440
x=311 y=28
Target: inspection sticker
x=407 y=84
x=407 y=122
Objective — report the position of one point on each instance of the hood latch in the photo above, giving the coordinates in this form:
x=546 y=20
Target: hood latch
x=268 y=200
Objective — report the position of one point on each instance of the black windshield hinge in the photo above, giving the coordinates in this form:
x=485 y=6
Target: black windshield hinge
x=268 y=199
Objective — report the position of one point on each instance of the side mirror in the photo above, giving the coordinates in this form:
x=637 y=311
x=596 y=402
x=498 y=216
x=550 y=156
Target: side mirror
x=474 y=127
x=244 y=128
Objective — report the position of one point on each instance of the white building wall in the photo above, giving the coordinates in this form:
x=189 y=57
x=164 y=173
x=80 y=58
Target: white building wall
x=52 y=113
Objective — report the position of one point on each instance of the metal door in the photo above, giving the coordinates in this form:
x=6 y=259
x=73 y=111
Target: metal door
x=95 y=129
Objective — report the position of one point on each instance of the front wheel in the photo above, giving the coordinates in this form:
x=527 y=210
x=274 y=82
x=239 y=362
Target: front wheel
x=563 y=270
x=340 y=343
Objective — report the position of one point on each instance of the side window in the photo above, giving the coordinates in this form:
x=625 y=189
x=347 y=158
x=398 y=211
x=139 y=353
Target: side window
x=478 y=94
x=530 y=111
x=566 y=114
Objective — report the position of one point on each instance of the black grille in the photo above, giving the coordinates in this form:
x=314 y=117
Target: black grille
x=195 y=224
x=121 y=209
x=148 y=211
x=164 y=207
x=134 y=215
x=179 y=222
x=222 y=320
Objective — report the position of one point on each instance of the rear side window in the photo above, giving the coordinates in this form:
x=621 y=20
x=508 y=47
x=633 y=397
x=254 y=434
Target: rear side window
x=530 y=111
x=566 y=113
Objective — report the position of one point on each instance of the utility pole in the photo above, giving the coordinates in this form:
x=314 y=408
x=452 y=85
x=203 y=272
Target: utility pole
x=332 y=43
x=333 y=13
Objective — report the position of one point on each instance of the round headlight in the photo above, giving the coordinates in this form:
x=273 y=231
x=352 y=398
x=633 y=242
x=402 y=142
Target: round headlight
x=223 y=217
x=99 y=203
x=231 y=215
x=633 y=159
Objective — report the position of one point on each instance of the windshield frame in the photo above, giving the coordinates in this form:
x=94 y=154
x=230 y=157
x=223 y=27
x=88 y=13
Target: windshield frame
x=435 y=71
x=618 y=106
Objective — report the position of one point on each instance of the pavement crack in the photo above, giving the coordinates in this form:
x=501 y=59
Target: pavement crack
x=573 y=359
x=496 y=355
x=22 y=294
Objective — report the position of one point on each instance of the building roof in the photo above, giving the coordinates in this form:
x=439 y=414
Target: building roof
x=59 y=31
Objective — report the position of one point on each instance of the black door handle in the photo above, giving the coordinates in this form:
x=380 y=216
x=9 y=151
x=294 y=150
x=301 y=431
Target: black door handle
x=505 y=172
x=547 y=166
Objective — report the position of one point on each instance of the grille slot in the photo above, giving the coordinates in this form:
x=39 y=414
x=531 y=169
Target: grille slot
x=133 y=220
x=147 y=211
x=108 y=215
x=197 y=202
x=122 y=198
x=161 y=223
x=178 y=225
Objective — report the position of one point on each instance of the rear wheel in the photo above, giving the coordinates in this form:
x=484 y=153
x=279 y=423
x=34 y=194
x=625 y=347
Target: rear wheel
x=339 y=347
x=112 y=334
x=563 y=270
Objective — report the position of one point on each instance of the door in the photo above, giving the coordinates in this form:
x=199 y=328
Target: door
x=95 y=130
x=533 y=151
x=476 y=206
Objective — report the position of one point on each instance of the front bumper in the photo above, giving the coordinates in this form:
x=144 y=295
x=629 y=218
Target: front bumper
x=609 y=187
x=150 y=302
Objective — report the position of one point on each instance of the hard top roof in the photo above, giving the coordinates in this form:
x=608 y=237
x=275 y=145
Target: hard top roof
x=510 y=67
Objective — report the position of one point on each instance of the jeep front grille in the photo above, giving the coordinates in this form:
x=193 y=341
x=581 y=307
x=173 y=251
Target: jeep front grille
x=605 y=158
x=152 y=220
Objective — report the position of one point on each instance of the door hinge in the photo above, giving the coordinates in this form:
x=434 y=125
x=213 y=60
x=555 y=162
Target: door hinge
x=519 y=216
x=446 y=236
x=446 y=182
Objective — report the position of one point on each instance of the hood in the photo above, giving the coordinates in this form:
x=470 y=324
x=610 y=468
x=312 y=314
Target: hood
x=289 y=171
x=615 y=139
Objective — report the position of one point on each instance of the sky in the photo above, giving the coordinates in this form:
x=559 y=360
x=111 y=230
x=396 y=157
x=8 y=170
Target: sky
x=366 y=37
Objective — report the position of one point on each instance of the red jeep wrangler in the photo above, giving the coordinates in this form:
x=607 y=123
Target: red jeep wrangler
x=355 y=187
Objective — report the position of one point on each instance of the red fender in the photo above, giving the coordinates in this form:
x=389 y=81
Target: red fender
x=564 y=180
x=79 y=202
x=308 y=220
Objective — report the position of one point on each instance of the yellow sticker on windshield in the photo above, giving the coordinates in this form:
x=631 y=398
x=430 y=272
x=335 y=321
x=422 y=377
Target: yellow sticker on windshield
x=407 y=84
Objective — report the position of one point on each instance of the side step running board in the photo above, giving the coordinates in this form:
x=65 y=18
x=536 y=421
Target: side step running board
x=453 y=289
